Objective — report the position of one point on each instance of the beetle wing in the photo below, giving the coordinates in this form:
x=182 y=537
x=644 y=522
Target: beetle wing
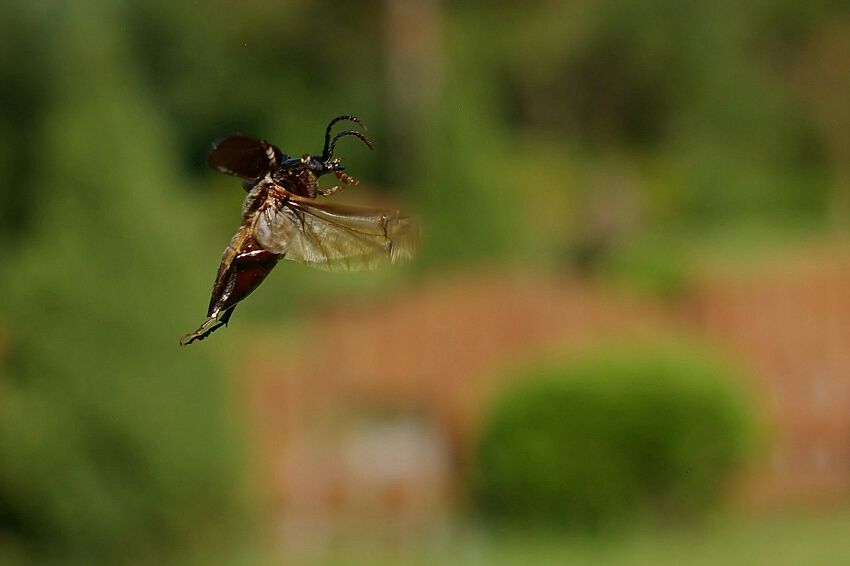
x=336 y=237
x=244 y=156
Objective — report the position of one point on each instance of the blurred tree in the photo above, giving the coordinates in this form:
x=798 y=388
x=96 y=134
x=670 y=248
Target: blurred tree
x=815 y=67
x=276 y=70
x=116 y=444
x=24 y=92
x=685 y=96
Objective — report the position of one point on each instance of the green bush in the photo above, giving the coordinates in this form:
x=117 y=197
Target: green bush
x=617 y=436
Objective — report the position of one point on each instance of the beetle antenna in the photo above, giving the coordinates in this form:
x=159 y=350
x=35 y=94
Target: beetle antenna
x=327 y=152
x=330 y=151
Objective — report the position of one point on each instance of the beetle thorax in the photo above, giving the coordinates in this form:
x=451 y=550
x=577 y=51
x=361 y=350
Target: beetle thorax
x=298 y=180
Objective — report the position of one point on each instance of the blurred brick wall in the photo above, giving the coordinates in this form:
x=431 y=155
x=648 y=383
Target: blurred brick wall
x=413 y=373
x=790 y=324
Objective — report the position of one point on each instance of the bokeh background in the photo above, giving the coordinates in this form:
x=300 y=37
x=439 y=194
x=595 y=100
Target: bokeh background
x=626 y=339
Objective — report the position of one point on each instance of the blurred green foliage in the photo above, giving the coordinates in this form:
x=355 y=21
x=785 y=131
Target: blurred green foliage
x=114 y=442
x=613 y=436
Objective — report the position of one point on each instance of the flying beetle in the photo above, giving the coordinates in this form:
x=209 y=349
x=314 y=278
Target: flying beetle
x=282 y=219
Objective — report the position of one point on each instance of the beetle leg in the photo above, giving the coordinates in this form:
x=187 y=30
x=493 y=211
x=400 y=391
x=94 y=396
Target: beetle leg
x=347 y=179
x=212 y=324
x=332 y=190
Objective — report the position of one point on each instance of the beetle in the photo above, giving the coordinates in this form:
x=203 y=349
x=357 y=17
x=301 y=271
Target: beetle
x=282 y=219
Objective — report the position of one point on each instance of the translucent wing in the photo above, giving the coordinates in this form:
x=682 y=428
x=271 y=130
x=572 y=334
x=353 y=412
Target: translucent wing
x=336 y=237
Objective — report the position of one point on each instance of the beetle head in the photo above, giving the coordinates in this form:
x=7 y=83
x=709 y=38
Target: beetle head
x=326 y=163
